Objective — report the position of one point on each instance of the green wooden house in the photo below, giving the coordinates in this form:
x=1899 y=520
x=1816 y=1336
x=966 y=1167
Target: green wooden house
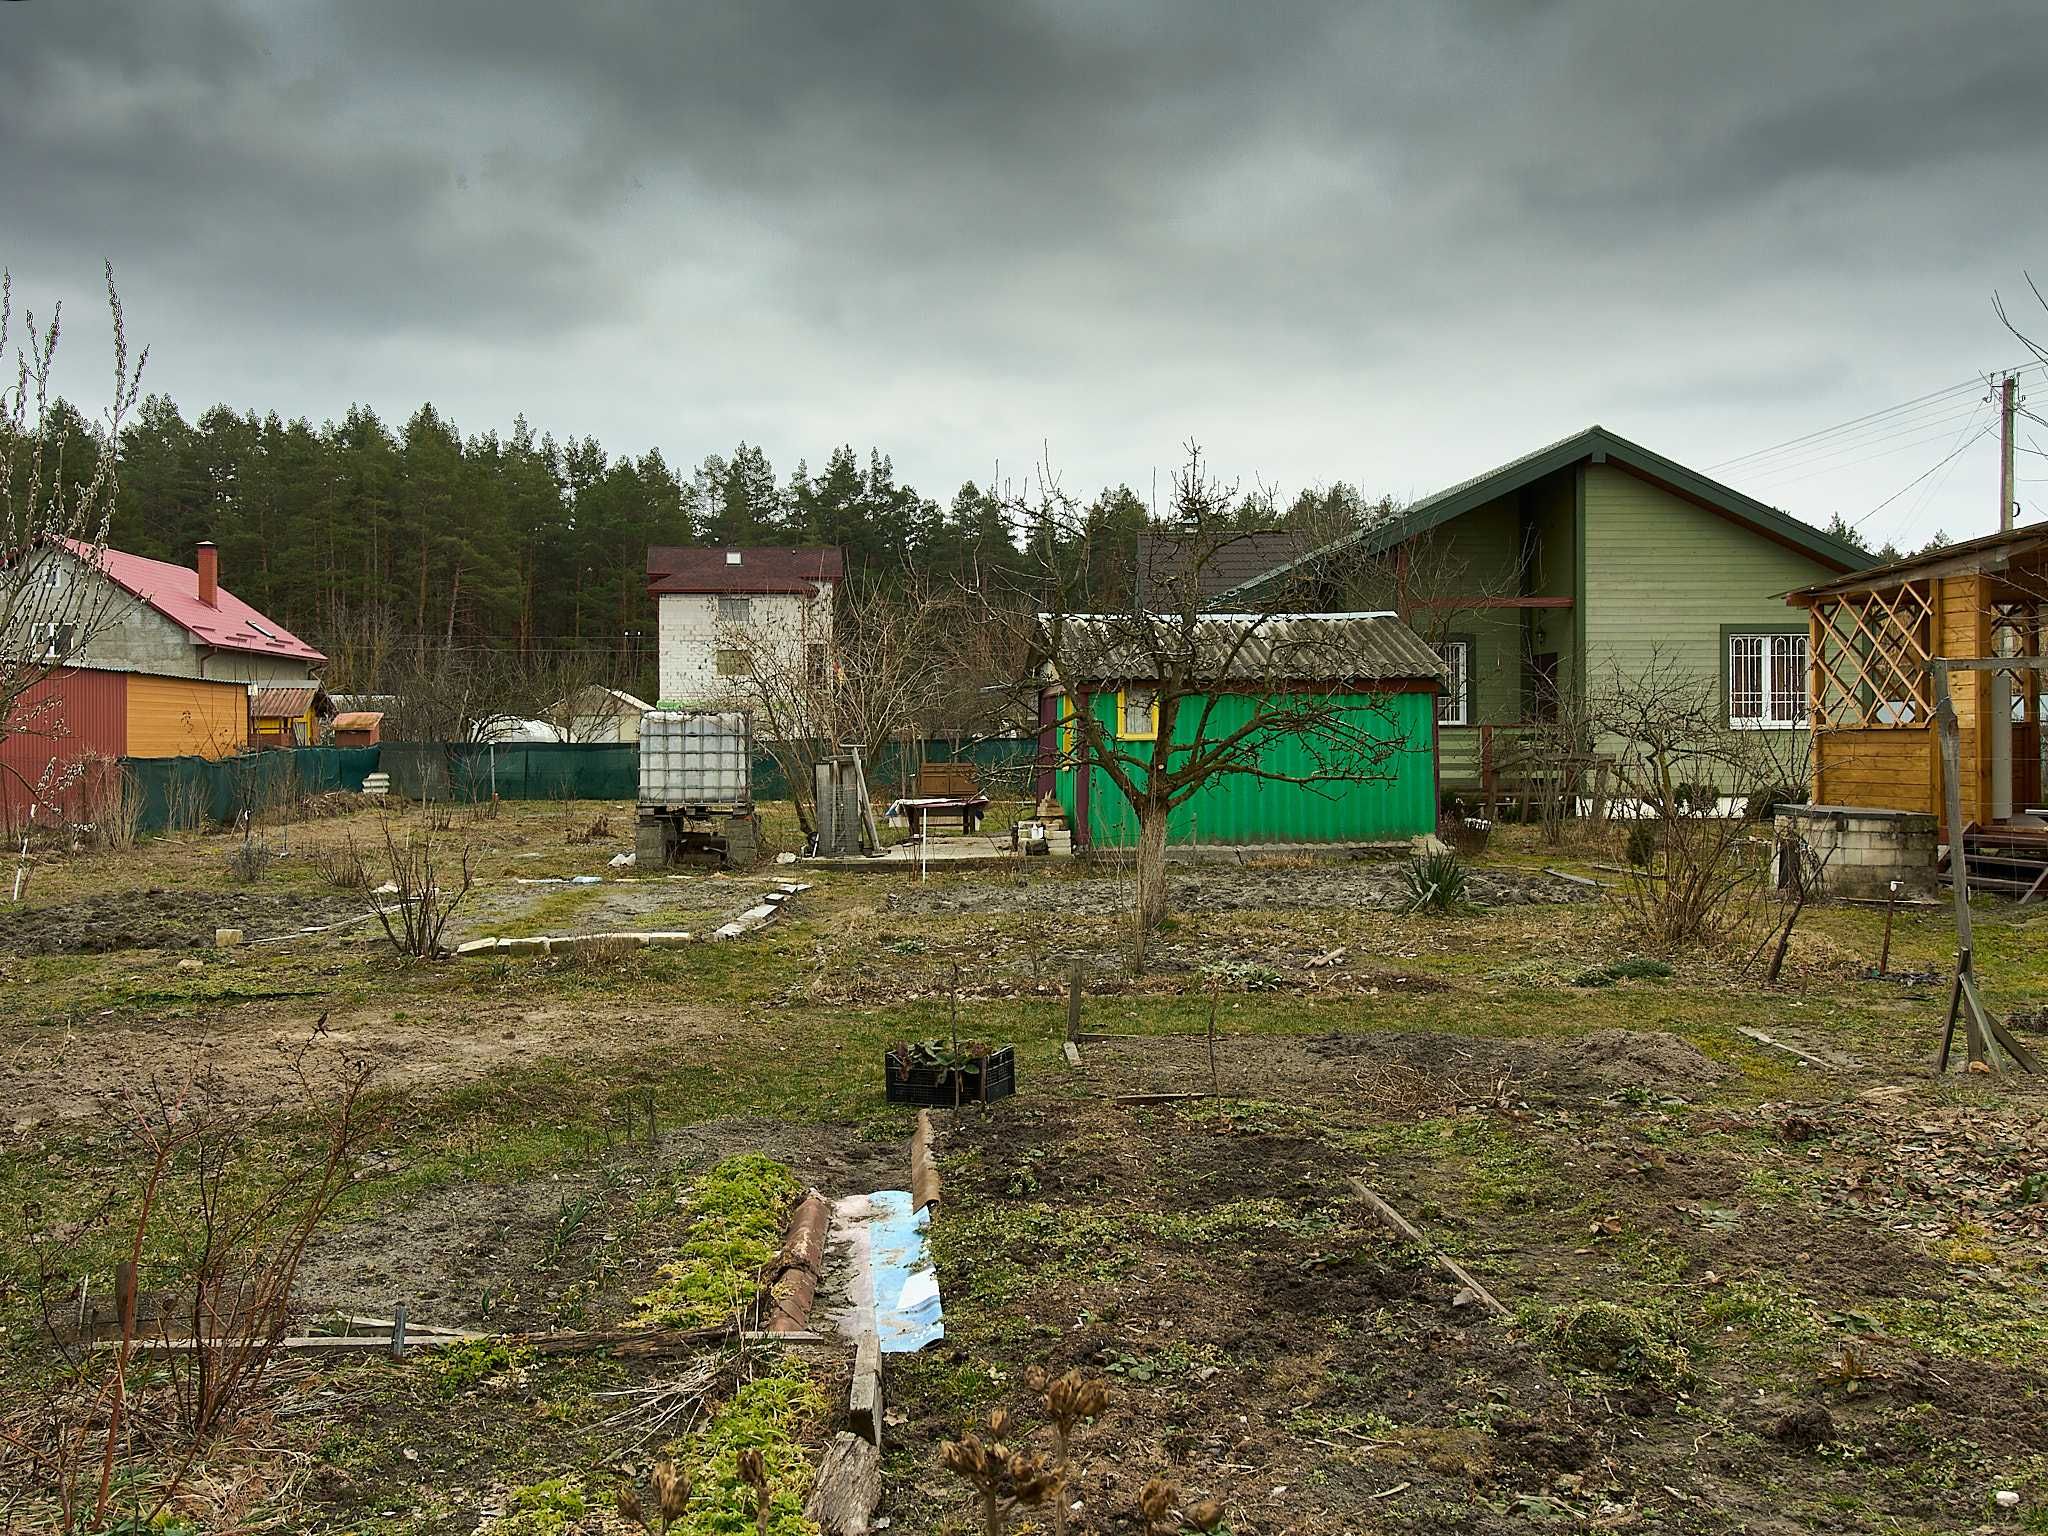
x=1367 y=681
x=1585 y=558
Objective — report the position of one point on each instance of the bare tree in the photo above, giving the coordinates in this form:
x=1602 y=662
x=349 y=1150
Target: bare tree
x=884 y=673
x=53 y=526
x=1222 y=691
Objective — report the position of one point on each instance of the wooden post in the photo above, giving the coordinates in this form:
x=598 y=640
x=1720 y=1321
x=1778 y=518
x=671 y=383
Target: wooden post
x=1074 y=1004
x=1963 y=1001
x=1215 y=996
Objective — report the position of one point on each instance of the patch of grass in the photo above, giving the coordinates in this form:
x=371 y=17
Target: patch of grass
x=734 y=1215
x=2009 y=1327
x=770 y=1413
x=1606 y=1338
x=1502 y=1171
x=463 y=1366
x=545 y=1508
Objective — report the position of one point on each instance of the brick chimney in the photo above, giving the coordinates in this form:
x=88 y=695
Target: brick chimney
x=209 y=573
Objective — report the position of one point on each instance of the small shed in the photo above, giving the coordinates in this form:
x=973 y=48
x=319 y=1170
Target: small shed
x=359 y=728
x=287 y=715
x=1871 y=641
x=1376 y=679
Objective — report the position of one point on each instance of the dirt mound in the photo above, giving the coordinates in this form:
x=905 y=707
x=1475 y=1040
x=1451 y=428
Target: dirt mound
x=1624 y=1058
x=161 y=919
x=1363 y=886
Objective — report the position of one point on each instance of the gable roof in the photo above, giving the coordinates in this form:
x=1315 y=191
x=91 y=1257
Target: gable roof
x=1600 y=446
x=1163 y=557
x=710 y=568
x=173 y=591
x=1256 y=647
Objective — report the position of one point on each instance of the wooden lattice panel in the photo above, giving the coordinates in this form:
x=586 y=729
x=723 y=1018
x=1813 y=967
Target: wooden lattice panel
x=1869 y=654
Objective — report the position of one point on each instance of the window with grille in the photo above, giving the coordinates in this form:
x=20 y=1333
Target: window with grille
x=1454 y=704
x=735 y=610
x=1767 y=681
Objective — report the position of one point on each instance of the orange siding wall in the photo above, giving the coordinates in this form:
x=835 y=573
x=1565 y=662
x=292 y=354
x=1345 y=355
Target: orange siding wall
x=1890 y=768
x=186 y=717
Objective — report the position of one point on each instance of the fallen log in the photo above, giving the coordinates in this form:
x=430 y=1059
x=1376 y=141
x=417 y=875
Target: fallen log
x=1399 y=1223
x=847 y=1488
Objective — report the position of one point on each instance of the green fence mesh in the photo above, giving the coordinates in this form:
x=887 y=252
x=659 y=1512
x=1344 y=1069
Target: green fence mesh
x=181 y=792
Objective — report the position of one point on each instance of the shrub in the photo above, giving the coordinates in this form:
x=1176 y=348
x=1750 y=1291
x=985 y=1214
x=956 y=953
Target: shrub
x=1642 y=843
x=1436 y=883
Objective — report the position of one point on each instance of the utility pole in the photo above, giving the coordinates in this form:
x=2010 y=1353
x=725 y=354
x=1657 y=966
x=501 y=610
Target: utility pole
x=2010 y=403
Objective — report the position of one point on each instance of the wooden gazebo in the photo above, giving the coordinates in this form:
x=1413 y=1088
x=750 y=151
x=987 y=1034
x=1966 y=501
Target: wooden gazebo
x=1872 y=694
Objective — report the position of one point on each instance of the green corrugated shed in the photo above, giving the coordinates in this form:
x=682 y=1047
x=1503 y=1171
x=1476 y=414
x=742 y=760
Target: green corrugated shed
x=1243 y=809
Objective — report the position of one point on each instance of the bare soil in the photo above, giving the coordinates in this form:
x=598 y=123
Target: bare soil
x=158 y=918
x=566 y=1250
x=1370 y=886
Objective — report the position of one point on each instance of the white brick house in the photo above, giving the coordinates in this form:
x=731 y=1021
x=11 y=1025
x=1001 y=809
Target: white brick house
x=724 y=613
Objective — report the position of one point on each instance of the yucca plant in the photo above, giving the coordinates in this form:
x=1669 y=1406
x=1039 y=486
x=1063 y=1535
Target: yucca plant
x=1436 y=883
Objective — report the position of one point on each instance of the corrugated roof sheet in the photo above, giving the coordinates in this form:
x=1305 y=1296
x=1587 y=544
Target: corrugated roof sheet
x=1238 y=647
x=1231 y=560
x=782 y=568
x=283 y=703
x=173 y=591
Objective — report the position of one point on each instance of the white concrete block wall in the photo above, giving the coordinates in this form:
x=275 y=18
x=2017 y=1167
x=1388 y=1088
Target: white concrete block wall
x=689 y=636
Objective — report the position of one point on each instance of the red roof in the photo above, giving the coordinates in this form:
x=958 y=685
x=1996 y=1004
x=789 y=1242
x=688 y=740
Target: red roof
x=671 y=568
x=173 y=591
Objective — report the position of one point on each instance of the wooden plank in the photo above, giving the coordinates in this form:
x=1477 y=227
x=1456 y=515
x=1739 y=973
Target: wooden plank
x=864 y=1402
x=1072 y=1052
x=847 y=1488
x=1399 y=1223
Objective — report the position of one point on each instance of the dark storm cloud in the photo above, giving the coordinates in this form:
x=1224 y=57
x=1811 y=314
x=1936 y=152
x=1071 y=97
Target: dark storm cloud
x=1390 y=244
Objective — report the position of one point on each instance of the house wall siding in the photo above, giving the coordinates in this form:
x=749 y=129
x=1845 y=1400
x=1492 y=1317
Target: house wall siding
x=690 y=637
x=1666 y=578
x=1397 y=801
x=186 y=717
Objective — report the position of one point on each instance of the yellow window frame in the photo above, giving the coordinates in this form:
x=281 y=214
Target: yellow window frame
x=1127 y=735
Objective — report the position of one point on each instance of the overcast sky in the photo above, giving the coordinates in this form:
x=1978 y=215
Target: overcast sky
x=1392 y=245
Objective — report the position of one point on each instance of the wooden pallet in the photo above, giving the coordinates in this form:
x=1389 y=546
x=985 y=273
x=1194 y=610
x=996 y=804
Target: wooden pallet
x=2012 y=861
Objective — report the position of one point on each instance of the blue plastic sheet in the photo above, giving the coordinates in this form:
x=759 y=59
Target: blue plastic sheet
x=907 y=1315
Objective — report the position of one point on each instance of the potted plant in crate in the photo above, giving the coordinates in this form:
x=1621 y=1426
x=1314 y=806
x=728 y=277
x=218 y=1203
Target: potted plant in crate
x=942 y=1072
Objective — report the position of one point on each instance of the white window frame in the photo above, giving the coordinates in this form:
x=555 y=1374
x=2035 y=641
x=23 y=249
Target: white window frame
x=1454 y=704
x=736 y=611
x=1775 y=709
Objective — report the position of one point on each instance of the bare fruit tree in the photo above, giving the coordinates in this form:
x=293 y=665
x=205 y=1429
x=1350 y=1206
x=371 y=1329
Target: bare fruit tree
x=57 y=480
x=884 y=673
x=1254 y=695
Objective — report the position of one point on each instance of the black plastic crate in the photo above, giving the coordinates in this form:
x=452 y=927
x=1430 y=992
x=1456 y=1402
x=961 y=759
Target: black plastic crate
x=992 y=1077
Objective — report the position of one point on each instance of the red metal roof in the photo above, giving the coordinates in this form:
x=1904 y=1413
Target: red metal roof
x=173 y=591
x=673 y=568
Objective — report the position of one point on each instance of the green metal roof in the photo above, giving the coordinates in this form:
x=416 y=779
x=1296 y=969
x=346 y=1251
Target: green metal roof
x=1599 y=445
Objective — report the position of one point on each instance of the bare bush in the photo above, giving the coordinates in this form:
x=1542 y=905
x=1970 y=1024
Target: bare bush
x=224 y=1223
x=341 y=865
x=414 y=908
x=110 y=801
x=1706 y=786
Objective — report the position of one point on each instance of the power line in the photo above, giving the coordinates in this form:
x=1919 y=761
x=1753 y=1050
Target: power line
x=1947 y=458
x=1856 y=450
x=1880 y=421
